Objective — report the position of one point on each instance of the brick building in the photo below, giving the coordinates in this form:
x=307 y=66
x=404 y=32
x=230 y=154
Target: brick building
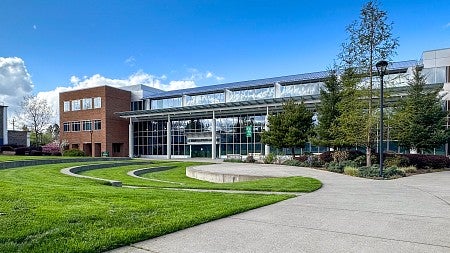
x=88 y=121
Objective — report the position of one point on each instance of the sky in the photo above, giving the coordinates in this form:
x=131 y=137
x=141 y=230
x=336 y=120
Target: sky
x=50 y=46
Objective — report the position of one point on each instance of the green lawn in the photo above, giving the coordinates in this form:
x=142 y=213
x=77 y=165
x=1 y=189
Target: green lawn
x=5 y=158
x=42 y=210
x=179 y=179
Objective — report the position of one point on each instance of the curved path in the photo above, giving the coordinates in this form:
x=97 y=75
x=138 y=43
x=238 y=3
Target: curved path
x=347 y=215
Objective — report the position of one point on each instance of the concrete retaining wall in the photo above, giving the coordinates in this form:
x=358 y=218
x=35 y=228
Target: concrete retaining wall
x=209 y=176
x=73 y=171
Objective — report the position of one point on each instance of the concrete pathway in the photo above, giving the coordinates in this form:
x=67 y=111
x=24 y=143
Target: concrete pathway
x=347 y=215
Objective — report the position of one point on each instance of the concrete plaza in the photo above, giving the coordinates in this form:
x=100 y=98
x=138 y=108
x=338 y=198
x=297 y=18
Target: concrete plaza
x=347 y=214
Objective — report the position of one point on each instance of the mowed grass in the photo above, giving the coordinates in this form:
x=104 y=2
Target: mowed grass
x=42 y=210
x=9 y=158
x=176 y=178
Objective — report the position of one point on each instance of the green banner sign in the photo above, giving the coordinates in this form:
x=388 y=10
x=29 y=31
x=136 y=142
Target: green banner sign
x=248 y=131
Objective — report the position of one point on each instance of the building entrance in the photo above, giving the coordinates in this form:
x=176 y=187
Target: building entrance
x=201 y=150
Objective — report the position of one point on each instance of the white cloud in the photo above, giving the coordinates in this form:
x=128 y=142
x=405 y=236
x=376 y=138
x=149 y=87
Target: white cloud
x=447 y=25
x=178 y=85
x=15 y=83
x=130 y=61
x=197 y=75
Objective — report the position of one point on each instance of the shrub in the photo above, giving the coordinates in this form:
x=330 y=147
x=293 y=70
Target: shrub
x=360 y=160
x=301 y=158
x=326 y=157
x=6 y=148
x=369 y=171
x=397 y=161
x=250 y=159
x=51 y=148
x=36 y=153
x=408 y=170
x=21 y=151
x=270 y=158
x=392 y=172
x=353 y=154
x=292 y=163
x=351 y=171
x=73 y=152
x=232 y=160
x=428 y=161
x=339 y=167
x=340 y=156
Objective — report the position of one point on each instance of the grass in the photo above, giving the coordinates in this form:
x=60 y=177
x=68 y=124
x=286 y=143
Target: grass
x=42 y=210
x=179 y=179
x=6 y=158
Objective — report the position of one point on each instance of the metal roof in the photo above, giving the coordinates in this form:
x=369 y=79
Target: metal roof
x=266 y=82
x=220 y=109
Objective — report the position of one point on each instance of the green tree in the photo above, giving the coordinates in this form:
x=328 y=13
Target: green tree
x=328 y=113
x=370 y=40
x=290 y=128
x=349 y=129
x=419 y=121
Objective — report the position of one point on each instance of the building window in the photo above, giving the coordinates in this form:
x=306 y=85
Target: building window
x=75 y=126
x=66 y=106
x=116 y=147
x=87 y=103
x=76 y=105
x=97 y=124
x=97 y=102
x=66 y=127
x=87 y=125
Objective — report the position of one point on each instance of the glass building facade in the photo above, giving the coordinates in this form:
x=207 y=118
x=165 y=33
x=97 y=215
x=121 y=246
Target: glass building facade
x=219 y=120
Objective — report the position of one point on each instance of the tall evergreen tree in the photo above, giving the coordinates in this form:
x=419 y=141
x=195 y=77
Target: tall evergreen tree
x=419 y=121
x=328 y=113
x=350 y=128
x=370 y=40
x=290 y=128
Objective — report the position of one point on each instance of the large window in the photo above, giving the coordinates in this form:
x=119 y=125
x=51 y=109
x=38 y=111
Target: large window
x=166 y=103
x=87 y=103
x=76 y=105
x=252 y=94
x=87 y=125
x=303 y=89
x=66 y=106
x=97 y=102
x=66 y=127
x=76 y=126
x=205 y=99
x=97 y=124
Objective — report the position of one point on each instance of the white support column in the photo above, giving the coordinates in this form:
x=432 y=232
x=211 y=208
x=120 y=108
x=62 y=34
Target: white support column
x=266 y=128
x=5 y=125
x=130 y=139
x=169 y=138
x=213 y=137
x=277 y=88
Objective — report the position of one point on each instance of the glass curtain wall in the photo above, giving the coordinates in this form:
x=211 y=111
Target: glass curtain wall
x=235 y=135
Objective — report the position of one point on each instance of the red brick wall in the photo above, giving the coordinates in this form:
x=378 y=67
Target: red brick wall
x=114 y=129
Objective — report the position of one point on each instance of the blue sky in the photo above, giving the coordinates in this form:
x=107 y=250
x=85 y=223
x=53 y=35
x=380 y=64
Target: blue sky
x=195 y=43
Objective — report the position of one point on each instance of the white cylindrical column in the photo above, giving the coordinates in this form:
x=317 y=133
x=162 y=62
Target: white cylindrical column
x=130 y=139
x=213 y=137
x=169 y=138
x=266 y=128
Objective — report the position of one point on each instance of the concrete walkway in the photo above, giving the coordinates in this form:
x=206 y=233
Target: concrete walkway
x=347 y=215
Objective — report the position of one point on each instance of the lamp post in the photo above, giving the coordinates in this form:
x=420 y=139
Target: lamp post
x=381 y=67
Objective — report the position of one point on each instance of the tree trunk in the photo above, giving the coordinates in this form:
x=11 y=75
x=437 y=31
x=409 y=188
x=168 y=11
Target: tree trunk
x=368 y=156
x=293 y=153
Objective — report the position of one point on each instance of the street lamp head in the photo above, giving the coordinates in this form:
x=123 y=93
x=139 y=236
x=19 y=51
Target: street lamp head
x=381 y=67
